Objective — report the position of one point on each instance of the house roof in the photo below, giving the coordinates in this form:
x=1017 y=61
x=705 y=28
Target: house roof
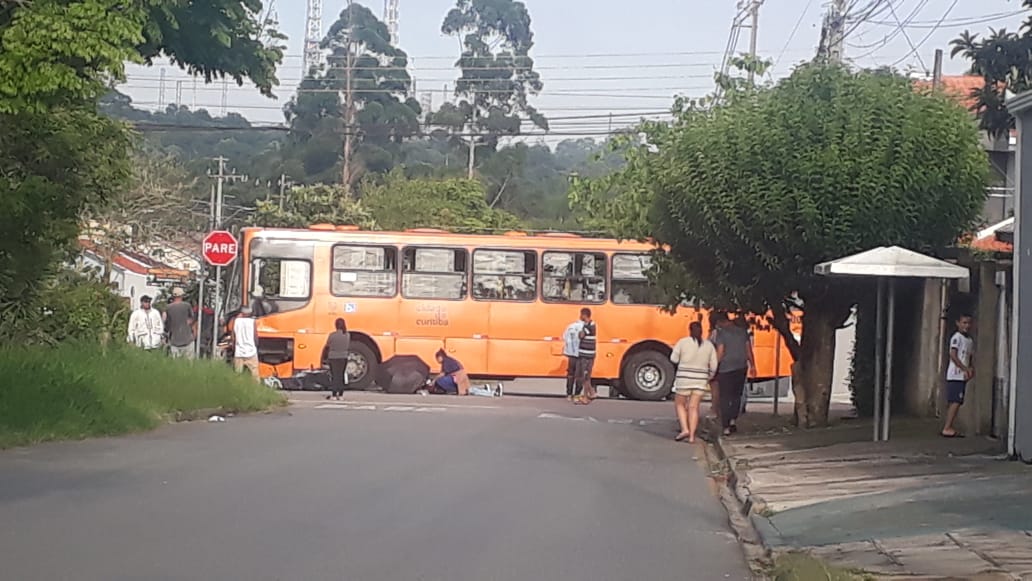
x=891 y=261
x=127 y=260
x=994 y=238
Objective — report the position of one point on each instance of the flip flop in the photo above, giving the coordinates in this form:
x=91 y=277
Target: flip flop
x=953 y=435
x=681 y=437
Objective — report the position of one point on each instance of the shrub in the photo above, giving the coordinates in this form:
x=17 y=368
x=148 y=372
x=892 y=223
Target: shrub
x=78 y=390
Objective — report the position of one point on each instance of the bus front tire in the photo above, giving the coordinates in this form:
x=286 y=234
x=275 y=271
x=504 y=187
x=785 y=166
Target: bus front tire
x=362 y=365
x=648 y=376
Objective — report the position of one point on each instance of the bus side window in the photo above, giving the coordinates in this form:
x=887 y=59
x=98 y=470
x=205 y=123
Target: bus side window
x=504 y=275
x=434 y=273
x=574 y=277
x=364 y=271
x=631 y=284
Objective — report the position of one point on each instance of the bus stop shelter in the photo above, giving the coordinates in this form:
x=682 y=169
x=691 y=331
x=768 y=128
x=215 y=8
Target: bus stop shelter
x=887 y=264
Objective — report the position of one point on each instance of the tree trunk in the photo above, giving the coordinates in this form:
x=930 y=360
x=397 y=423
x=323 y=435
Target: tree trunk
x=812 y=372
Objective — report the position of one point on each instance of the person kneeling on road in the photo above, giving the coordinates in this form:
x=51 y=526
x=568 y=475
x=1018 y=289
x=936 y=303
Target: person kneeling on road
x=454 y=380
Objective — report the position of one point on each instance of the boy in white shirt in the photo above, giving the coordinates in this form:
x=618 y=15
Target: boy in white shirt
x=960 y=370
x=245 y=344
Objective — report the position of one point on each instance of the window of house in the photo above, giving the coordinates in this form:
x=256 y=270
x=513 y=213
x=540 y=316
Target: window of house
x=434 y=273
x=631 y=284
x=364 y=271
x=504 y=275
x=573 y=277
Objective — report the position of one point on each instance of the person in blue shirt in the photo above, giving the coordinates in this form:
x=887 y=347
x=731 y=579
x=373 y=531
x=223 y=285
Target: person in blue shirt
x=571 y=349
x=453 y=378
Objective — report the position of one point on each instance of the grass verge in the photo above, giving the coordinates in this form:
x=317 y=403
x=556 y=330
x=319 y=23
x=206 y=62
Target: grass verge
x=79 y=391
x=799 y=566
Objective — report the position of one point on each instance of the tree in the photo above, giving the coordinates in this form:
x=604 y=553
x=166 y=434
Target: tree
x=156 y=202
x=53 y=164
x=309 y=205
x=61 y=52
x=1004 y=60
x=498 y=75
x=750 y=195
x=449 y=204
x=385 y=114
x=57 y=153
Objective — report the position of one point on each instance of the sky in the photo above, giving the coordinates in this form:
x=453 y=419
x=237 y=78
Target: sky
x=602 y=57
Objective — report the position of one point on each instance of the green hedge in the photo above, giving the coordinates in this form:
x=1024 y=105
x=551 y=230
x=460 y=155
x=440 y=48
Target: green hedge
x=80 y=390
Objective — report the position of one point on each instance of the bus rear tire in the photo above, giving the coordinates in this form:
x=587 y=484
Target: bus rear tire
x=362 y=366
x=648 y=376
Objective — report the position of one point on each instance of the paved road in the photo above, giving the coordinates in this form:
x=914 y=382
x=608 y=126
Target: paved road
x=380 y=488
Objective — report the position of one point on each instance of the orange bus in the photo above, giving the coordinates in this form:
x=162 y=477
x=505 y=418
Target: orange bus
x=498 y=303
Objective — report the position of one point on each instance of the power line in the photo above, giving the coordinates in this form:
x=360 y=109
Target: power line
x=906 y=35
x=900 y=27
x=795 y=29
x=929 y=35
x=960 y=21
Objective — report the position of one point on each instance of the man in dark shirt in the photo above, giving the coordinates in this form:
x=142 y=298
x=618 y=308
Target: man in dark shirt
x=734 y=351
x=181 y=326
x=586 y=356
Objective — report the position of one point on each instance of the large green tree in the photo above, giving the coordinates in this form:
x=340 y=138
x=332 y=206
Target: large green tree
x=497 y=72
x=750 y=195
x=1004 y=60
x=385 y=113
x=57 y=152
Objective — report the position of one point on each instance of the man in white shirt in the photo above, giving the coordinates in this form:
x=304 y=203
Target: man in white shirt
x=245 y=344
x=146 y=328
x=959 y=372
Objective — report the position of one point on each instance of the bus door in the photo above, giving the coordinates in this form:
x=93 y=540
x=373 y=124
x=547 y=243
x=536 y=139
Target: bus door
x=505 y=283
x=435 y=309
x=279 y=288
x=571 y=281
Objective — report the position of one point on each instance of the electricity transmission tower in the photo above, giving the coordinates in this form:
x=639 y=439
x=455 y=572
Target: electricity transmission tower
x=313 y=37
x=390 y=17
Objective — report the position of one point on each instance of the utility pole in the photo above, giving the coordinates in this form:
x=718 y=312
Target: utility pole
x=282 y=189
x=754 y=30
x=161 y=89
x=833 y=33
x=349 y=103
x=349 y=121
x=937 y=70
x=216 y=217
x=472 y=138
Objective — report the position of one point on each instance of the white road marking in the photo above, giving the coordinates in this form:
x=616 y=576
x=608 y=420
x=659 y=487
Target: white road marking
x=345 y=406
x=401 y=403
x=616 y=421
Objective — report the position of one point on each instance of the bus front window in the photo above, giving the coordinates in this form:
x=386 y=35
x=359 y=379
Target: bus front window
x=279 y=284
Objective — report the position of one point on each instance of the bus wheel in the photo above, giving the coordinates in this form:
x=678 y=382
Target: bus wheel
x=647 y=375
x=362 y=366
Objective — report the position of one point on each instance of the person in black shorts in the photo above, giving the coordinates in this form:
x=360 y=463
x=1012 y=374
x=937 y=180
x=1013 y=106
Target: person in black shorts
x=586 y=356
x=958 y=373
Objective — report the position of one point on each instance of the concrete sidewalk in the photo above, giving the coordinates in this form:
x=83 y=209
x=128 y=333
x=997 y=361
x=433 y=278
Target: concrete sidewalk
x=919 y=506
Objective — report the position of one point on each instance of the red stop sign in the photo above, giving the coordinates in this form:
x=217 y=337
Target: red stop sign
x=219 y=248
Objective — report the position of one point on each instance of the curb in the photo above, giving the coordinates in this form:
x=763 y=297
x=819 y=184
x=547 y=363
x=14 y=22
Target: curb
x=747 y=503
x=752 y=530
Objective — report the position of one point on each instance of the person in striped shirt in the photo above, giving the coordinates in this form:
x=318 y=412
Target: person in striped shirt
x=696 y=361
x=586 y=356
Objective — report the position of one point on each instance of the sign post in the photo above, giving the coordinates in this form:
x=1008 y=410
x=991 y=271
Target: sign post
x=219 y=249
